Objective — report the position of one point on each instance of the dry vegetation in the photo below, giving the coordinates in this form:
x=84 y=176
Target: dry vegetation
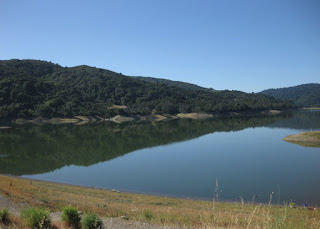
x=195 y=115
x=311 y=139
x=154 y=209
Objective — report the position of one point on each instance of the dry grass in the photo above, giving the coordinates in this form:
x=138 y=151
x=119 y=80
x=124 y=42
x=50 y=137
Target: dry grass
x=63 y=120
x=194 y=115
x=275 y=111
x=122 y=119
x=154 y=209
x=158 y=118
x=311 y=139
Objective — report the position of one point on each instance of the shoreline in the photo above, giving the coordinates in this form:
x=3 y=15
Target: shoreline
x=128 y=192
x=83 y=120
x=156 y=195
x=156 y=210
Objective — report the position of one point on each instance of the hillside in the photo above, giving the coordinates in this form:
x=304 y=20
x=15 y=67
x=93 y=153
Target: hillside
x=32 y=88
x=180 y=84
x=305 y=95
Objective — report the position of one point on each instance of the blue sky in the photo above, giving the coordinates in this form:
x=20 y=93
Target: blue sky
x=246 y=45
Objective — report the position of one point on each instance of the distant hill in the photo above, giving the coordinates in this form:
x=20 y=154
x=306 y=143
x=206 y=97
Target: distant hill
x=32 y=88
x=305 y=95
x=180 y=84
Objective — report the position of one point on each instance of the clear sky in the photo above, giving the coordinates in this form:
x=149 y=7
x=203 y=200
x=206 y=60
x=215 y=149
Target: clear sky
x=246 y=45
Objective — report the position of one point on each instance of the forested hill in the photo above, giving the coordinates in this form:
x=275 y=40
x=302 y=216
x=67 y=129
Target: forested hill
x=305 y=95
x=31 y=88
x=180 y=84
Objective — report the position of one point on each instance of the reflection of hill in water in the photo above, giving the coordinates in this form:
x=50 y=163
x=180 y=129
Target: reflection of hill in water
x=40 y=149
x=299 y=120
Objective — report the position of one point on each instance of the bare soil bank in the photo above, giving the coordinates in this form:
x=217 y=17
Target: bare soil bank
x=81 y=120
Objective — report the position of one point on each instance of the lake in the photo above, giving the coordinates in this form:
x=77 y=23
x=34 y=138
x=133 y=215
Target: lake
x=226 y=159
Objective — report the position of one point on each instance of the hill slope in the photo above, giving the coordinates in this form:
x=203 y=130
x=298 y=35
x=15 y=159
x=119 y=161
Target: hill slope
x=31 y=88
x=180 y=84
x=305 y=95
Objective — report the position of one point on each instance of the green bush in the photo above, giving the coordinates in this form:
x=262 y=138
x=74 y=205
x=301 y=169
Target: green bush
x=36 y=217
x=92 y=221
x=70 y=216
x=4 y=215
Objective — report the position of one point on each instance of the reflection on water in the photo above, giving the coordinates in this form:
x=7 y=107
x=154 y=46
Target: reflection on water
x=178 y=158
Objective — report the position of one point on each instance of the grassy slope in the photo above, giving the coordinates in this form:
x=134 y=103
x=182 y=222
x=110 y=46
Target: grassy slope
x=157 y=210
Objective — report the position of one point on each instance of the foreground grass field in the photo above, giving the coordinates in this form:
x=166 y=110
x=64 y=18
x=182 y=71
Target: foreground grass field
x=156 y=210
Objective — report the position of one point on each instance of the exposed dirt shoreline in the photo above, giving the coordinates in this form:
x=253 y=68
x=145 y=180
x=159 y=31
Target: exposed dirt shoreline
x=82 y=120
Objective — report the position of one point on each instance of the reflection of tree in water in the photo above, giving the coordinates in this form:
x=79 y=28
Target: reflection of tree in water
x=299 y=120
x=40 y=149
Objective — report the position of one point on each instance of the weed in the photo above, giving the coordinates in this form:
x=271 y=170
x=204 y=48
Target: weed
x=91 y=221
x=70 y=216
x=4 y=215
x=148 y=215
x=36 y=217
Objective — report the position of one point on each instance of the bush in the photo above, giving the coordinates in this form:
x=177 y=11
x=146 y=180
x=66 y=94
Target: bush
x=92 y=221
x=70 y=216
x=36 y=217
x=4 y=215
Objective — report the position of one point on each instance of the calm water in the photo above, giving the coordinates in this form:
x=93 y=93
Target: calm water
x=183 y=158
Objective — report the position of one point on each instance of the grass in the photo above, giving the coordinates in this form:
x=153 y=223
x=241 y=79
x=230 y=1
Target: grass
x=310 y=139
x=92 y=221
x=148 y=215
x=36 y=217
x=157 y=210
x=70 y=217
x=4 y=215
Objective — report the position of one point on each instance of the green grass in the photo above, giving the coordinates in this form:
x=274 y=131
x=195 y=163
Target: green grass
x=92 y=221
x=71 y=217
x=148 y=215
x=4 y=215
x=36 y=217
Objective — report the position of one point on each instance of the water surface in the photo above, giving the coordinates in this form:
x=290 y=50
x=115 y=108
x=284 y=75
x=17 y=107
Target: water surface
x=245 y=156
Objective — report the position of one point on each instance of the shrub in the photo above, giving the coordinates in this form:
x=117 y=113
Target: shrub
x=4 y=215
x=92 y=221
x=36 y=217
x=70 y=216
